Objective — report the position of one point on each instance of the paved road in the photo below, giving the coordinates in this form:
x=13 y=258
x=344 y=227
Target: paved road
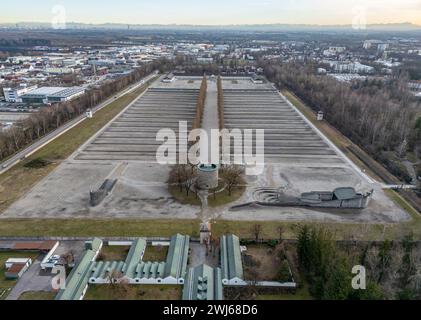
x=8 y=164
x=32 y=280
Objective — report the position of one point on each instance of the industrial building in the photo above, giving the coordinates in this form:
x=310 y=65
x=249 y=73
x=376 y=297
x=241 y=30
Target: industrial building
x=46 y=95
x=14 y=95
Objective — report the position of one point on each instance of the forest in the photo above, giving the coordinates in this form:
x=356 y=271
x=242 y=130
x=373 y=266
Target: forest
x=393 y=269
x=382 y=117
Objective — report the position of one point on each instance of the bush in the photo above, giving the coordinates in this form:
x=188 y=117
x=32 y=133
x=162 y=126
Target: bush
x=285 y=272
x=37 y=163
x=273 y=243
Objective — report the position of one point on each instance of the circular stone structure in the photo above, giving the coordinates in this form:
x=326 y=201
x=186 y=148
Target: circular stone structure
x=208 y=177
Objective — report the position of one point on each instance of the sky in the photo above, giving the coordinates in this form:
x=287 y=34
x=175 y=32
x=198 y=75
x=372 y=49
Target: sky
x=213 y=12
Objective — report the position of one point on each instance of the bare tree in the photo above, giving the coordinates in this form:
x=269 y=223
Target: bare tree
x=232 y=176
x=257 y=230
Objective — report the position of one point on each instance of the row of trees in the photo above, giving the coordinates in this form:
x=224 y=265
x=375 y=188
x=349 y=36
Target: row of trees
x=380 y=116
x=327 y=269
x=200 y=107
x=50 y=118
x=221 y=109
x=393 y=270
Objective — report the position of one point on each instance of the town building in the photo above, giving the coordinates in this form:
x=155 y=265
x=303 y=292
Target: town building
x=15 y=268
x=46 y=95
x=14 y=95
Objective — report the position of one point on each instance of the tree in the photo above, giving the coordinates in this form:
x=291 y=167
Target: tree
x=257 y=230
x=284 y=272
x=114 y=278
x=178 y=176
x=232 y=176
x=384 y=259
x=281 y=231
x=408 y=268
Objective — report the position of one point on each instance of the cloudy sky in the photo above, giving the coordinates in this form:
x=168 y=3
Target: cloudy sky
x=213 y=12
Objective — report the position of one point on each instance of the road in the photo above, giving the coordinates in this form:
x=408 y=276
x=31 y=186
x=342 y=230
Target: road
x=9 y=163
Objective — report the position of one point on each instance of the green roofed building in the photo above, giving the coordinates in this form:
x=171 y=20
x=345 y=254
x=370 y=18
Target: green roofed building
x=178 y=255
x=134 y=257
x=203 y=283
x=77 y=281
x=231 y=261
x=136 y=271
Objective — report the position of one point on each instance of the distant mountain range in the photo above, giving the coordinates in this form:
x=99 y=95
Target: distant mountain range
x=248 y=27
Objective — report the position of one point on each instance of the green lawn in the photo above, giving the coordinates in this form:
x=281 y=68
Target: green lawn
x=114 y=253
x=155 y=253
x=7 y=285
x=38 y=296
x=134 y=292
x=167 y=228
x=20 y=179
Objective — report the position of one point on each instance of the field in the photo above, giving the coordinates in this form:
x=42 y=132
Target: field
x=147 y=292
x=38 y=296
x=7 y=285
x=167 y=228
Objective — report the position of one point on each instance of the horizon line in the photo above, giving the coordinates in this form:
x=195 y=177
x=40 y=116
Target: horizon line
x=216 y=25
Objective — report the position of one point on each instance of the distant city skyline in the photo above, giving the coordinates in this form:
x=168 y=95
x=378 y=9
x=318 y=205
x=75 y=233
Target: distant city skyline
x=216 y=12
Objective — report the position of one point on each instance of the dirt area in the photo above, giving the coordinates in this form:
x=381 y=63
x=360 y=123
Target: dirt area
x=263 y=261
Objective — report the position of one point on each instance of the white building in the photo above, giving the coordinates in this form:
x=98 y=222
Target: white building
x=14 y=94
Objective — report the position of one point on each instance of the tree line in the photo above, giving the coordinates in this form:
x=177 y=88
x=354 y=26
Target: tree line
x=221 y=109
x=393 y=270
x=380 y=116
x=200 y=106
x=49 y=118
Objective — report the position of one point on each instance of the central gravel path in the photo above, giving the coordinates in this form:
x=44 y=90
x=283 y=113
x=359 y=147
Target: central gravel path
x=210 y=115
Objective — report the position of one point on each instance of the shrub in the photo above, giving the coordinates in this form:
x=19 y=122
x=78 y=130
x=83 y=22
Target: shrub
x=37 y=163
